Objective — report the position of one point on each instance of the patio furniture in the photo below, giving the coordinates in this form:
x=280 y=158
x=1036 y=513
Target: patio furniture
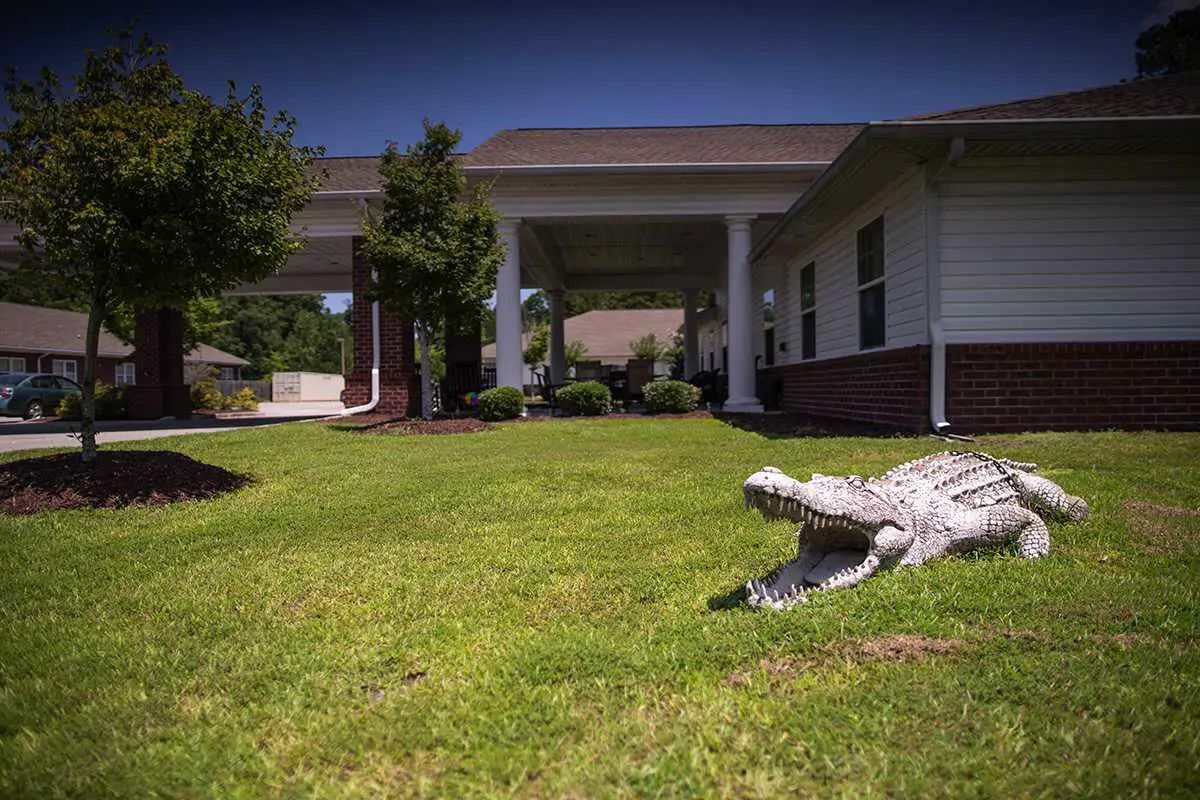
x=589 y=371
x=549 y=390
x=640 y=372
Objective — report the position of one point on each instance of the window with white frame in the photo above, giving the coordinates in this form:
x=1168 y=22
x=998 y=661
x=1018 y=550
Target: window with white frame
x=126 y=373
x=808 y=311
x=227 y=374
x=12 y=364
x=872 y=322
x=66 y=367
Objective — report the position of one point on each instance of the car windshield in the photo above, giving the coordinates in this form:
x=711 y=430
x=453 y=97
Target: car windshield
x=13 y=378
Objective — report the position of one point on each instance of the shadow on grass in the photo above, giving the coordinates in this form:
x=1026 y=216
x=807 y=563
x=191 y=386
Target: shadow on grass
x=734 y=598
x=804 y=426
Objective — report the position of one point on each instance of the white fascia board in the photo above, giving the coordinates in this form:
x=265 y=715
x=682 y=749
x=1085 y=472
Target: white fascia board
x=666 y=167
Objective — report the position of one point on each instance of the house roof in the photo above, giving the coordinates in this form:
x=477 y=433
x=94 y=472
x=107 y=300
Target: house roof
x=351 y=173
x=1164 y=96
x=1154 y=115
x=35 y=329
x=607 y=334
x=701 y=144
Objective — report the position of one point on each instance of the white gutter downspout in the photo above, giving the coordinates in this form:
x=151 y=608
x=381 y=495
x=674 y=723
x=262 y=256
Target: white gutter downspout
x=374 y=401
x=933 y=287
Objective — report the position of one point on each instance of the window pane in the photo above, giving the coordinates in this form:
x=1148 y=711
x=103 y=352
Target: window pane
x=871 y=322
x=808 y=286
x=870 y=251
x=808 y=342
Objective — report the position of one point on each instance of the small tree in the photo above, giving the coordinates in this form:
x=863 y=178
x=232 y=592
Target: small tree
x=649 y=348
x=434 y=255
x=574 y=352
x=132 y=191
x=535 y=352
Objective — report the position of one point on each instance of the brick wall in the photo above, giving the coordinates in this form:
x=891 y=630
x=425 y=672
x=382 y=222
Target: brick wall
x=1131 y=385
x=399 y=385
x=889 y=387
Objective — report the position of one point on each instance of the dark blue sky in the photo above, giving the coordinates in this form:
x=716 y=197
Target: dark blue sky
x=356 y=74
x=359 y=73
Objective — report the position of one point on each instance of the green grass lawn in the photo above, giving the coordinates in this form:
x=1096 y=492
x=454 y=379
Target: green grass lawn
x=549 y=610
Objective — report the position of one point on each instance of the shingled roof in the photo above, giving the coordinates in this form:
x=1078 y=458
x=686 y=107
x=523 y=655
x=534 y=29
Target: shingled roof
x=1165 y=96
x=607 y=333
x=59 y=332
x=706 y=144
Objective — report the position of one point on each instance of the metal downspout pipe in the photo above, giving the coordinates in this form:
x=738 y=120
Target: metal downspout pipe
x=933 y=277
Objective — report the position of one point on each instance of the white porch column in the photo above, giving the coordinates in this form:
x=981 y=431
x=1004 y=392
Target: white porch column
x=691 y=335
x=558 y=344
x=510 y=367
x=741 y=319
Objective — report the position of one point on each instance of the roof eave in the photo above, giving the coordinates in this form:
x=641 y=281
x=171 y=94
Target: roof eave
x=681 y=167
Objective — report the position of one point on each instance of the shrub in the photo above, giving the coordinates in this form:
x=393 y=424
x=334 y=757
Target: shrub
x=205 y=394
x=243 y=398
x=586 y=398
x=110 y=403
x=670 y=397
x=502 y=402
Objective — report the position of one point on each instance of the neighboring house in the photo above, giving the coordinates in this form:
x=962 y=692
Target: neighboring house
x=607 y=334
x=1033 y=264
x=35 y=339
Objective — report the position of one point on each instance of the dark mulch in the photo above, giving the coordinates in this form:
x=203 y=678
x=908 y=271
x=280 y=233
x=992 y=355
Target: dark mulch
x=112 y=480
x=422 y=427
x=791 y=425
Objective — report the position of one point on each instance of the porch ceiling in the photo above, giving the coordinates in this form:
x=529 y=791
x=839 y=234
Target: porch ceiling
x=625 y=253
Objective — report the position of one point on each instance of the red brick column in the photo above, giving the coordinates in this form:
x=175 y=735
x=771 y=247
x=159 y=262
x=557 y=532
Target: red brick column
x=1073 y=386
x=888 y=387
x=399 y=384
x=158 y=353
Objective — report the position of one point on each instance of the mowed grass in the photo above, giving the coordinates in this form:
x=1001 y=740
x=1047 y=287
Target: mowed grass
x=552 y=609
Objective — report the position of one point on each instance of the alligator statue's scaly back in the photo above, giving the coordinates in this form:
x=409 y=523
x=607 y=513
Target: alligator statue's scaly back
x=973 y=479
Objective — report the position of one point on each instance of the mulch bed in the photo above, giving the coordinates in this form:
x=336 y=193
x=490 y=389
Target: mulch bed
x=423 y=427
x=112 y=480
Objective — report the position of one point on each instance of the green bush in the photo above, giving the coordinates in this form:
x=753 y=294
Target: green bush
x=502 y=402
x=670 y=397
x=586 y=399
x=243 y=398
x=110 y=403
x=205 y=394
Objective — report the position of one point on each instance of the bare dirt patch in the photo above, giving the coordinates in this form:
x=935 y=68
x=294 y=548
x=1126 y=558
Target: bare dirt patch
x=1141 y=507
x=893 y=647
x=1161 y=530
x=112 y=480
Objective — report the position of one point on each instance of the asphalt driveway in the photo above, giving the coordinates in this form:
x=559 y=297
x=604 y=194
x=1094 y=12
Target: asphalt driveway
x=17 y=434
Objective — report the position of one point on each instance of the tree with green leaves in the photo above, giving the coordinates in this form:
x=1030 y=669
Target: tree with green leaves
x=1170 y=47
x=574 y=352
x=434 y=255
x=135 y=192
x=648 y=347
x=535 y=352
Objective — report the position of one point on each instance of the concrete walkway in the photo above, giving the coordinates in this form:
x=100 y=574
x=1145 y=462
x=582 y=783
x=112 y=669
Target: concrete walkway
x=17 y=434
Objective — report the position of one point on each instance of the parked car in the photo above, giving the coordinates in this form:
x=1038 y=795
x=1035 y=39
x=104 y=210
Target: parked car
x=33 y=394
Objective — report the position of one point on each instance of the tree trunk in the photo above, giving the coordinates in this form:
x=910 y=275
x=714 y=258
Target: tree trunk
x=426 y=398
x=87 y=419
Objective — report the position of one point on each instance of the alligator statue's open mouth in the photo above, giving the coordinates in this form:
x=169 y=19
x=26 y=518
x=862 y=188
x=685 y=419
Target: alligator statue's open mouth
x=834 y=550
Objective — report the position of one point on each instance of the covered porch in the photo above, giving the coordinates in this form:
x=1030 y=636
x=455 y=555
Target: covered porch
x=594 y=210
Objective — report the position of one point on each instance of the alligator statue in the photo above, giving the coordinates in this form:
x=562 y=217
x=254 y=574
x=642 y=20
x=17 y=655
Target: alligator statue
x=851 y=528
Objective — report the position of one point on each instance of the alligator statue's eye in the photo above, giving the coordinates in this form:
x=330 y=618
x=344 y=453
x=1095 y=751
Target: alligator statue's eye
x=856 y=482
